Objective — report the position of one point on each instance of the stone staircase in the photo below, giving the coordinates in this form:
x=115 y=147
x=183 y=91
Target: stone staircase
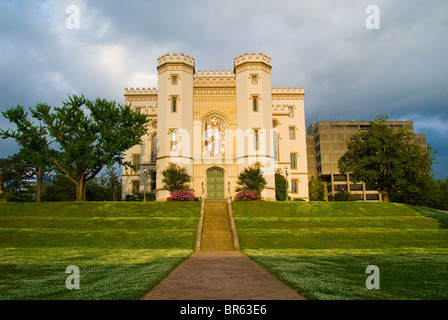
x=216 y=235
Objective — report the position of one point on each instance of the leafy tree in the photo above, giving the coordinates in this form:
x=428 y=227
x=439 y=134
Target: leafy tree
x=176 y=178
x=15 y=171
x=388 y=161
x=89 y=135
x=344 y=195
x=280 y=187
x=317 y=189
x=251 y=179
x=32 y=140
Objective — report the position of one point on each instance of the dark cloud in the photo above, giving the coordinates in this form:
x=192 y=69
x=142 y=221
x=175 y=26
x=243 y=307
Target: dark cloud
x=349 y=72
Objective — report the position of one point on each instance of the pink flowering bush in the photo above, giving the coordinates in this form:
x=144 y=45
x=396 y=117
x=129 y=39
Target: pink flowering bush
x=247 y=195
x=183 y=195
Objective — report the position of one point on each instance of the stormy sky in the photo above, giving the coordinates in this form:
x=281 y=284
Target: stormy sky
x=349 y=72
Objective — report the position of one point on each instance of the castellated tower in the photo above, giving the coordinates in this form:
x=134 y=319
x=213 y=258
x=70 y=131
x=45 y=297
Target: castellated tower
x=175 y=114
x=254 y=116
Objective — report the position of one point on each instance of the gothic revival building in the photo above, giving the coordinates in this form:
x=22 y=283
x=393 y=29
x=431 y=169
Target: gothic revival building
x=215 y=124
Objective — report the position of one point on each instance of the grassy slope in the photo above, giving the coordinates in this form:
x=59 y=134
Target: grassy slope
x=322 y=249
x=121 y=249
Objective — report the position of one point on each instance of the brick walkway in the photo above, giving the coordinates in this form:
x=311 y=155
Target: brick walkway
x=218 y=272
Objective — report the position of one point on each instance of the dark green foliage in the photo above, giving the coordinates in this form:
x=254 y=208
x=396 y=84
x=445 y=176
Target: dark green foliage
x=317 y=190
x=344 y=196
x=15 y=170
x=388 y=161
x=251 y=179
x=89 y=142
x=280 y=187
x=176 y=178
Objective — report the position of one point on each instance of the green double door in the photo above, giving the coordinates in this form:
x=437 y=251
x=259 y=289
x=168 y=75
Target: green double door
x=215 y=184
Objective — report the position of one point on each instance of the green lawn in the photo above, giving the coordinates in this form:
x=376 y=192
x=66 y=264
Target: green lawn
x=322 y=249
x=122 y=249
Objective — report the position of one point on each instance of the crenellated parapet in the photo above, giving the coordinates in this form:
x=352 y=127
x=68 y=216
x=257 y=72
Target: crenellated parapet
x=175 y=62
x=140 y=91
x=252 y=61
x=287 y=93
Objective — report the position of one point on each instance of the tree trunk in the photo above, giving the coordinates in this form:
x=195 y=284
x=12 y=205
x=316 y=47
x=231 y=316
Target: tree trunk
x=40 y=176
x=385 y=196
x=81 y=187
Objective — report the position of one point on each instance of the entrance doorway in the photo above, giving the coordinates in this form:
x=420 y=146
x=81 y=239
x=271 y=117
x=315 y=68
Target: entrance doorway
x=215 y=184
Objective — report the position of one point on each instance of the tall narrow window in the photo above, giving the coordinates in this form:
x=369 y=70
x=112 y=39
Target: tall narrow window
x=256 y=139
x=292 y=133
x=291 y=112
x=294 y=186
x=215 y=136
x=173 y=140
x=255 y=104
x=135 y=186
x=275 y=142
x=293 y=161
x=254 y=79
x=174 y=104
x=136 y=160
x=174 y=79
x=154 y=148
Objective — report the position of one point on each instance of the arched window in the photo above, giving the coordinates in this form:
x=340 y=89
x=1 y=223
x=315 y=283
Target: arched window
x=215 y=136
x=154 y=148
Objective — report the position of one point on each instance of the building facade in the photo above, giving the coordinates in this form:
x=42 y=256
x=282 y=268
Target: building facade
x=326 y=144
x=215 y=124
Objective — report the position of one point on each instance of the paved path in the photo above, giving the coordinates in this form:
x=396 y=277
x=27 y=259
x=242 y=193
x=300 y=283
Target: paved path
x=218 y=272
x=221 y=275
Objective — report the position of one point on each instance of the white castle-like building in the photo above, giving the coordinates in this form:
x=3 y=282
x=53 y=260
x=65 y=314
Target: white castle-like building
x=216 y=124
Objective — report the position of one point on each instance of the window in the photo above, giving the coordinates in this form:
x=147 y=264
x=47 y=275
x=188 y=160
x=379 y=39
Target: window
x=275 y=142
x=153 y=180
x=136 y=160
x=173 y=140
x=215 y=136
x=294 y=186
x=293 y=157
x=256 y=139
x=292 y=133
x=255 y=104
x=254 y=79
x=291 y=112
x=154 y=148
x=135 y=186
x=174 y=104
x=174 y=79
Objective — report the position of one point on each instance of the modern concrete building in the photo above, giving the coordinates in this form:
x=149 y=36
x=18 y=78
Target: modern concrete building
x=326 y=144
x=216 y=124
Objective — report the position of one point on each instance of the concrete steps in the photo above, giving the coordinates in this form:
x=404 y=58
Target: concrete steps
x=216 y=235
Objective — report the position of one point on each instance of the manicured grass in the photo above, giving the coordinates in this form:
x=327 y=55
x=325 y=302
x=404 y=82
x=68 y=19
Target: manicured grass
x=322 y=249
x=122 y=249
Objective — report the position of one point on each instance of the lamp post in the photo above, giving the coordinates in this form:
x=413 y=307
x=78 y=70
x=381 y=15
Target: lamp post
x=286 y=173
x=228 y=189
x=144 y=186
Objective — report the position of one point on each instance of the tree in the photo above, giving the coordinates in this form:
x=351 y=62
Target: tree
x=251 y=179
x=15 y=172
x=32 y=140
x=175 y=178
x=388 y=161
x=317 y=189
x=89 y=135
x=280 y=187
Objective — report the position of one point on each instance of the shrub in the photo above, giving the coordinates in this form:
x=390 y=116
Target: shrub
x=280 y=187
x=183 y=195
x=247 y=195
x=176 y=178
x=344 y=196
x=251 y=179
x=134 y=197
